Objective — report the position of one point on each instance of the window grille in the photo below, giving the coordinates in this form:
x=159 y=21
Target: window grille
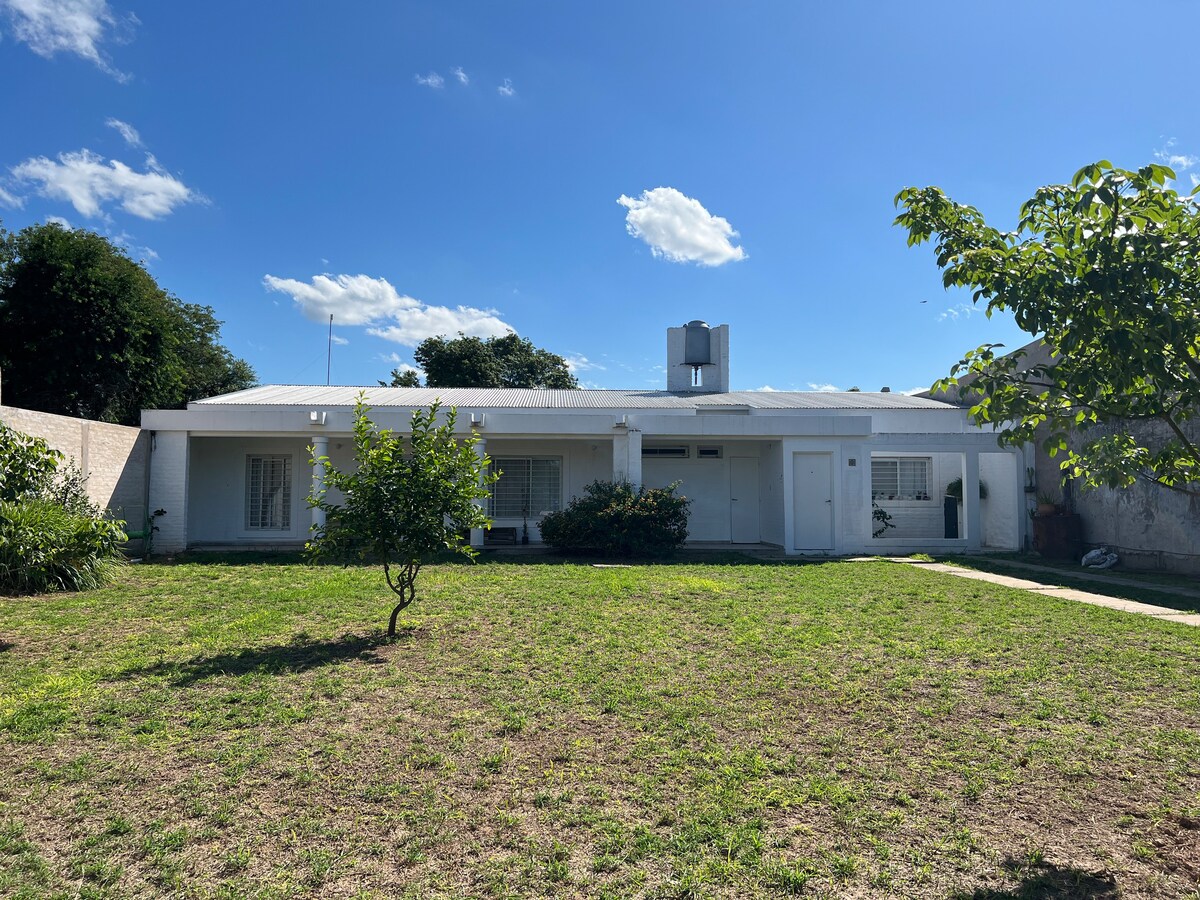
x=902 y=478
x=708 y=452
x=528 y=487
x=665 y=452
x=269 y=493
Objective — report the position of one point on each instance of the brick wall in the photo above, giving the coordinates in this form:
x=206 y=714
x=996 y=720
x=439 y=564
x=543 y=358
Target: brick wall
x=114 y=457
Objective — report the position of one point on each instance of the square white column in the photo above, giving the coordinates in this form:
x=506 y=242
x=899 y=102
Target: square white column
x=478 y=533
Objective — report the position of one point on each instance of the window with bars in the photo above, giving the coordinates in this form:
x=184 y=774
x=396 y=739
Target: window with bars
x=900 y=478
x=268 y=493
x=528 y=486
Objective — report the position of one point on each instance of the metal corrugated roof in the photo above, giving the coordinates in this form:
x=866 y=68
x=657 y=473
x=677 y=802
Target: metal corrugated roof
x=527 y=398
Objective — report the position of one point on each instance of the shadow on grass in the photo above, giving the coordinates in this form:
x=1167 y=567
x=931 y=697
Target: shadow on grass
x=298 y=655
x=1043 y=880
x=1062 y=577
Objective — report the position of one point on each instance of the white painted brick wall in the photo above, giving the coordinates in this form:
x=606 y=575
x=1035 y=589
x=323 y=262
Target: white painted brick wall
x=168 y=489
x=112 y=456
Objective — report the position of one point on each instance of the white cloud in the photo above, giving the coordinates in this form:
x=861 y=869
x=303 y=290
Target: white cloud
x=916 y=390
x=11 y=200
x=69 y=26
x=824 y=388
x=462 y=76
x=1195 y=179
x=578 y=363
x=339 y=340
x=432 y=80
x=506 y=89
x=363 y=300
x=398 y=362
x=129 y=242
x=58 y=220
x=679 y=228
x=127 y=131
x=954 y=313
x=1180 y=162
x=766 y=388
x=88 y=182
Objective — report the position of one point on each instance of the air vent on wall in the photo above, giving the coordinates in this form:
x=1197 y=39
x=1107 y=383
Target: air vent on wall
x=665 y=452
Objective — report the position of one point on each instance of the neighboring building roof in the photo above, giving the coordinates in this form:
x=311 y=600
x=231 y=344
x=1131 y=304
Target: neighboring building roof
x=1036 y=354
x=529 y=398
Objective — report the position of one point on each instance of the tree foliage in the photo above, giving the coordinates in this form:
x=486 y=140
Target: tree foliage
x=1106 y=271
x=508 y=361
x=408 y=498
x=85 y=331
x=402 y=378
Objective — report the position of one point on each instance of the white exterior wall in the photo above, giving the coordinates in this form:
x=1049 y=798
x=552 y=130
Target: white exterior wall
x=770 y=493
x=112 y=457
x=217 y=513
x=582 y=463
x=169 y=490
x=599 y=443
x=923 y=518
x=1004 y=474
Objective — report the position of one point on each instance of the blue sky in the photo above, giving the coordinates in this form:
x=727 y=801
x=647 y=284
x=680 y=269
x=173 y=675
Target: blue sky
x=585 y=175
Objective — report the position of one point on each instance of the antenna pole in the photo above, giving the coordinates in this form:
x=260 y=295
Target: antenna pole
x=329 y=351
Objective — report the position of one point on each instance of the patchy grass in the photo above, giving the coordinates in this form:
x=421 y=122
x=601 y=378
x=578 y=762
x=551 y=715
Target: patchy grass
x=229 y=730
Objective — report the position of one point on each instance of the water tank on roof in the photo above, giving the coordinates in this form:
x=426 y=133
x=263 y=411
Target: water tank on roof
x=697 y=347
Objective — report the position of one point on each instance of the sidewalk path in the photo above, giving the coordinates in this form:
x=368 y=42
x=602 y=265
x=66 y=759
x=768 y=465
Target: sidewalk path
x=1164 y=613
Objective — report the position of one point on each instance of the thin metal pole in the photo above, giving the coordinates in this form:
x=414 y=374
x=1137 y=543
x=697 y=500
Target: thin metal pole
x=329 y=351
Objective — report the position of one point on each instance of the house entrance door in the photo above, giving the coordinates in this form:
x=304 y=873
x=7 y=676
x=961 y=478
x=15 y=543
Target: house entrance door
x=812 y=488
x=743 y=500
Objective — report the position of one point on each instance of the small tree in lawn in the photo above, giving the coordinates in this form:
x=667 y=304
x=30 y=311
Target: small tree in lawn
x=409 y=497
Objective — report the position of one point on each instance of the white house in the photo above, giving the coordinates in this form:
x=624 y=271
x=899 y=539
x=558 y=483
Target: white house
x=800 y=471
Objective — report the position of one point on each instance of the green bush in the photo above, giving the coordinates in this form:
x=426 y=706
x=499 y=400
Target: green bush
x=612 y=519
x=28 y=465
x=43 y=547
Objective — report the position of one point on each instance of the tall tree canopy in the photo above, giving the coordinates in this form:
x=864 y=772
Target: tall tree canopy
x=85 y=331
x=1106 y=271
x=508 y=361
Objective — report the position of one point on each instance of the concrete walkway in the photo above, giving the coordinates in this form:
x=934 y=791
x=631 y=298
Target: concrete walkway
x=1163 y=613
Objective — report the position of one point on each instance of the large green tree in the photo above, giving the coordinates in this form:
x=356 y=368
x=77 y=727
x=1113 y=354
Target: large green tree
x=406 y=498
x=1106 y=271
x=508 y=361
x=86 y=331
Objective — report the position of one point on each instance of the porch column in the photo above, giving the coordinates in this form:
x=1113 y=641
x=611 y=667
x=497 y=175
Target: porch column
x=971 y=517
x=478 y=533
x=635 y=458
x=627 y=456
x=320 y=449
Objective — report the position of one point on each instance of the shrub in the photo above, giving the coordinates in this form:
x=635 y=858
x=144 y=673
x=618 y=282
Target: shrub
x=30 y=468
x=612 y=519
x=43 y=547
x=28 y=465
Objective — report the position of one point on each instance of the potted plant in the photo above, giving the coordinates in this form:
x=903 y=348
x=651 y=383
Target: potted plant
x=1046 y=505
x=955 y=489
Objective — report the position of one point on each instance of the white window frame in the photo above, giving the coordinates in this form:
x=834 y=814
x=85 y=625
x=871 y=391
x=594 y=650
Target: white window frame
x=896 y=490
x=277 y=519
x=498 y=464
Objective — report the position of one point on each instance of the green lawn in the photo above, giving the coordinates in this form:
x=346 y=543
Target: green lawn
x=824 y=730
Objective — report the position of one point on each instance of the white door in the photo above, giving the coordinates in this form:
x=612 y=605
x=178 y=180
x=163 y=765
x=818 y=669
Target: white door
x=812 y=486
x=743 y=500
